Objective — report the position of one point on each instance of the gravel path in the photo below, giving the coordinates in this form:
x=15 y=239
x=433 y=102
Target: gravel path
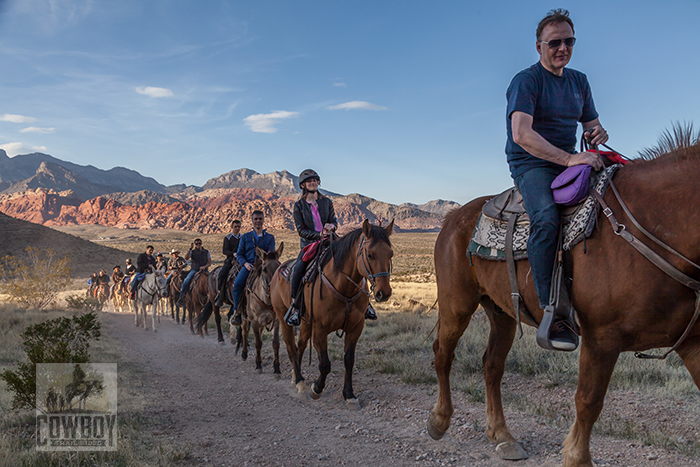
x=201 y=397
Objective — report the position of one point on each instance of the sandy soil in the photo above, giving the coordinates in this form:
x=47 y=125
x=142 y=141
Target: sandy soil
x=203 y=398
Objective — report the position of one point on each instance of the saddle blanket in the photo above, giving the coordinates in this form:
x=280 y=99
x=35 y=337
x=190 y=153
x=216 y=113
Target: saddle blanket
x=489 y=238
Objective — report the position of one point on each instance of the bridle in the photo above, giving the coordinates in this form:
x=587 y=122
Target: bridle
x=361 y=254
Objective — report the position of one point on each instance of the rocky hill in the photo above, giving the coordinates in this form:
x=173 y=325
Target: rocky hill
x=86 y=257
x=42 y=189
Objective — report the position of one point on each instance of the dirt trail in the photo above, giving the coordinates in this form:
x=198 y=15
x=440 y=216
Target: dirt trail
x=201 y=396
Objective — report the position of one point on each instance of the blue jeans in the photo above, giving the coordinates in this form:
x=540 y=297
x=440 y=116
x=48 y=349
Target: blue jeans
x=544 y=214
x=186 y=284
x=238 y=286
x=138 y=278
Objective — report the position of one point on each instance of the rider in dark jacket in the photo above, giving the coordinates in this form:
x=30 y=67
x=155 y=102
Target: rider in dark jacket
x=314 y=218
x=144 y=263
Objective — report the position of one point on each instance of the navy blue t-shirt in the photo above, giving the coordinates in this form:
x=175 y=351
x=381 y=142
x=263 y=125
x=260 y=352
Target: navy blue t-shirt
x=556 y=104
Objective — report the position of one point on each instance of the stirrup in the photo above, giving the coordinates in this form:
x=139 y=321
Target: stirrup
x=370 y=313
x=292 y=317
x=566 y=340
x=219 y=299
x=236 y=319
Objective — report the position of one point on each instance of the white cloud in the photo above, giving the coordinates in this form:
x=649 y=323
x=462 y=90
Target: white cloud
x=264 y=123
x=340 y=85
x=13 y=149
x=356 y=105
x=16 y=118
x=151 y=91
x=34 y=129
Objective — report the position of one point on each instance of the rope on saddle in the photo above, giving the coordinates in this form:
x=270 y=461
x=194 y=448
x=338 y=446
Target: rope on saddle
x=658 y=261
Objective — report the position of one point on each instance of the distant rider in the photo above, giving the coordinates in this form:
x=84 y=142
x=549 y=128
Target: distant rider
x=161 y=263
x=246 y=255
x=231 y=242
x=117 y=280
x=200 y=261
x=144 y=263
x=175 y=266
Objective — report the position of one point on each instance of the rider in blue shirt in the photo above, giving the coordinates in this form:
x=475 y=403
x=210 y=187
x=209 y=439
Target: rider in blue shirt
x=246 y=256
x=545 y=104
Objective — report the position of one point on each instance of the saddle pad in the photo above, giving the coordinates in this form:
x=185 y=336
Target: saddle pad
x=489 y=238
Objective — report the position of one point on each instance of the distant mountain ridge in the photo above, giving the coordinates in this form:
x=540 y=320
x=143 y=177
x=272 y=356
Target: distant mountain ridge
x=45 y=190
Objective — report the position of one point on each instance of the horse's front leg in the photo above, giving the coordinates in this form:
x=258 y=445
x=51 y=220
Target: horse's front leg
x=257 y=332
x=690 y=354
x=501 y=336
x=324 y=365
x=154 y=313
x=276 y=347
x=453 y=319
x=189 y=307
x=595 y=369
x=293 y=354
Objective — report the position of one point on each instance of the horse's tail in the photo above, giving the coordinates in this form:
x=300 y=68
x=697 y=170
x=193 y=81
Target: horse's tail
x=239 y=339
x=204 y=315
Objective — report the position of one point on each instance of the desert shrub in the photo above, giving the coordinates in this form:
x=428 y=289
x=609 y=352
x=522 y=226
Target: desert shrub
x=34 y=281
x=79 y=302
x=60 y=340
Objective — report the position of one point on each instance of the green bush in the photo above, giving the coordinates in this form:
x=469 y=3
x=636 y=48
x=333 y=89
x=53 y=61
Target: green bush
x=60 y=340
x=79 y=302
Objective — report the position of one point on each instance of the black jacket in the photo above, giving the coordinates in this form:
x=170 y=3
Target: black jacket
x=304 y=219
x=230 y=245
x=144 y=261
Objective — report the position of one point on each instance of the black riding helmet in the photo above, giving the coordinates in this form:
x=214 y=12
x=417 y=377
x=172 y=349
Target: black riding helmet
x=308 y=174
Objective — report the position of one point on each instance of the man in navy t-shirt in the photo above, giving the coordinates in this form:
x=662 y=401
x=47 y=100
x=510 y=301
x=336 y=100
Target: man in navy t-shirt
x=545 y=104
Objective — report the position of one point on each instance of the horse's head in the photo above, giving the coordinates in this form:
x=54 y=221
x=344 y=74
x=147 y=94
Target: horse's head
x=159 y=276
x=270 y=263
x=374 y=255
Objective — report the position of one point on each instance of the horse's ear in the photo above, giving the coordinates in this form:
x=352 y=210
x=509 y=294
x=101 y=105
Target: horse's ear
x=366 y=228
x=260 y=252
x=390 y=228
x=279 y=250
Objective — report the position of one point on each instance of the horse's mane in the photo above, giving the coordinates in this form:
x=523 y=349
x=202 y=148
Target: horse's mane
x=257 y=267
x=681 y=142
x=340 y=249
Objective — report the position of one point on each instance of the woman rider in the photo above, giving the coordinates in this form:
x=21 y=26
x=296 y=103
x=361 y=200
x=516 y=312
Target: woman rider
x=314 y=218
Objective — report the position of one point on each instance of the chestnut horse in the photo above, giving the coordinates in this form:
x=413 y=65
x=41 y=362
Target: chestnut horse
x=337 y=301
x=624 y=302
x=258 y=312
x=196 y=298
x=210 y=307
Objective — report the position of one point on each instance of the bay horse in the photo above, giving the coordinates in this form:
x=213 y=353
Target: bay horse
x=259 y=313
x=196 y=298
x=624 y=302
x=336 y=301
x=210 y=307
x=149 y=292
x=174 y=287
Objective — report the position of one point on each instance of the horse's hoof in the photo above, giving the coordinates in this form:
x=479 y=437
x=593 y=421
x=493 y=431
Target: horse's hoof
x=313 y=394
x=301 y=387
x=222 y=342
x=258 y=371
x=434 y=432
x=277 y=376
x=155 y=331
x=353 y=403
x=511 y=451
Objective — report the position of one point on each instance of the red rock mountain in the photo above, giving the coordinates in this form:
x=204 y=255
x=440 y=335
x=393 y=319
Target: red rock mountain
x=56 y=196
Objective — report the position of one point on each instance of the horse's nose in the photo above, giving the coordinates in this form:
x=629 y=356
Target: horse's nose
x=379 y=296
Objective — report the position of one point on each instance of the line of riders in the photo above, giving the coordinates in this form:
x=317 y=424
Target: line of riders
x=315 y=221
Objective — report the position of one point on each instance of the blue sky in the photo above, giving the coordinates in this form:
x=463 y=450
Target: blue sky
x=400 y=101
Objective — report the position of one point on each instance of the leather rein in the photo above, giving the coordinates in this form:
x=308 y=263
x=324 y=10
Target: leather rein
x=620 y=230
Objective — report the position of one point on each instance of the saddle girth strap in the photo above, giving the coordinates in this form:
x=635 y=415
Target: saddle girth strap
x=658 y=261
x=518 y=303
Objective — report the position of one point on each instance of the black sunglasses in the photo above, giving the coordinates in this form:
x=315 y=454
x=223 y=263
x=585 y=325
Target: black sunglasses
x=197 y=243
x=556 y=43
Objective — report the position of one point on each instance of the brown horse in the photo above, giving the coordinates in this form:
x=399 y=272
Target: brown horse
x=211 y=304
x=174 y=287
x=258 y=307
x=337 y=301
x=624 y=302
x=102 y=292
x=120 y=298
x=196 y=297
